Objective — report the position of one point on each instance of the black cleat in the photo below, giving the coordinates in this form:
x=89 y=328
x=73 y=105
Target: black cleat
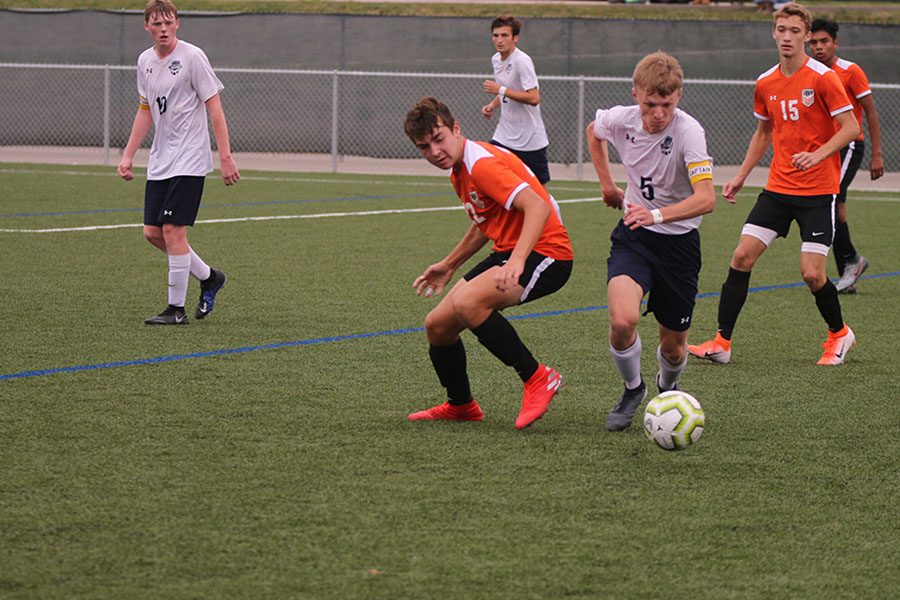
x=674 y=388
x=620 y=416
x=208 y=290
x=173 y=315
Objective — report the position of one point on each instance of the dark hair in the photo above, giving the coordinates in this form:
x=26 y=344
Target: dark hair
x=427 y=115
x=507 y=22
x=826 y=25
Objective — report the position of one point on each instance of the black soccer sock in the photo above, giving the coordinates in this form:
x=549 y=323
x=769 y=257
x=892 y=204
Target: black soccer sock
x=450 y=365
x=844 y=250
x=734 y=294
x=829 y=306
x=498 y=335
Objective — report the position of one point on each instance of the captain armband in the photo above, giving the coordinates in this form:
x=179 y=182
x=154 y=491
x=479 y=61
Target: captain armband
x=143 y=104
x=699 y=171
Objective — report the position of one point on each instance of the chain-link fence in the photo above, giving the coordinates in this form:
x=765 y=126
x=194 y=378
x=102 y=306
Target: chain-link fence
x=352 y=113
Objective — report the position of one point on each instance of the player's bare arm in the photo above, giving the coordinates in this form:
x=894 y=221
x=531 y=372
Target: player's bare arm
x=876 y=163
x=613 y=195
x=701 y=202
x=759 y=143
x=139 y=129
x=849 y=130
x=435 y=278
x=536 y=213
x=532 y=96
x=230 y=173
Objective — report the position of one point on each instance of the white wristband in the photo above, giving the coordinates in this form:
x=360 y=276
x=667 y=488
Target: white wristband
x=502 y=92
x=657 y=216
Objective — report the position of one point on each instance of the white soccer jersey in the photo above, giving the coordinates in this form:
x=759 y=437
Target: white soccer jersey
x=660 y=166
x=521 y=126
x=175 y=89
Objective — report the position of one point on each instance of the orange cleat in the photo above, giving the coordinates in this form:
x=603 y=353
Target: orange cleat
x=717 y=350
x=539 y=391
x=449 y=412
x=836 y=347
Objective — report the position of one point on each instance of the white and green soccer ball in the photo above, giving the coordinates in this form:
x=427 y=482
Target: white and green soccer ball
x=674 y=420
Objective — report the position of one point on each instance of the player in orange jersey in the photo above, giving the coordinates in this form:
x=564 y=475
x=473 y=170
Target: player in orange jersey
x=823 y=45
x=531 y=257
x=803 y=111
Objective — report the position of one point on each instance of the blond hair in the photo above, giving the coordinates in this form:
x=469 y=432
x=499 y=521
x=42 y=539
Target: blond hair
x=658 y=73
x=792 y=9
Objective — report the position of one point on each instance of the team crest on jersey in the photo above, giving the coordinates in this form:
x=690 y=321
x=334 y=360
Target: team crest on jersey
x=509 y=68
x=174 y=67
x=808 y=96
x=473 y=195
x=666 y=145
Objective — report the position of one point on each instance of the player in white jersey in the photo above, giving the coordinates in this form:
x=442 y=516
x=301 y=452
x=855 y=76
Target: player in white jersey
x=517 y=94
x=177 y=85
x=656 y=245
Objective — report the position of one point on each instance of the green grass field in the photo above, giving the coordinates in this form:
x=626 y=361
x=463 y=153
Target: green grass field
x=265 y=451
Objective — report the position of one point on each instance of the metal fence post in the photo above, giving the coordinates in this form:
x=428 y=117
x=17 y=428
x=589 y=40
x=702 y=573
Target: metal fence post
x=579 y=156
x=334 y=122
x=105 y=114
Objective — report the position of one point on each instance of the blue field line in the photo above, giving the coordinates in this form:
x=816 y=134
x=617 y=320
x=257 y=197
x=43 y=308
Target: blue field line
x=347 y=337
x=94 y=211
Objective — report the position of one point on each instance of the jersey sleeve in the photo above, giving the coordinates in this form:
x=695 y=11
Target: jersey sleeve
x=859 y=83
x=496 y=181
x=696 y=157
x=759 y=104
x=604 y=122
x=203 y=78
x=527 y=74
x=833 y=94
x=143 y=104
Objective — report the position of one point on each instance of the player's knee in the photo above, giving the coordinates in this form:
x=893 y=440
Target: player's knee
x=673 y=352
x=436 y=327
x=469 y=310
x=622 y=326
x=813 y=278
x=742 y=259
x=153 y=235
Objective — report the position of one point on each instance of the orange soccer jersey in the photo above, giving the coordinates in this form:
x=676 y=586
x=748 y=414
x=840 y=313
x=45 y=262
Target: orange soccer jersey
x=801 y=109
x=856 y=84
x=487 y=183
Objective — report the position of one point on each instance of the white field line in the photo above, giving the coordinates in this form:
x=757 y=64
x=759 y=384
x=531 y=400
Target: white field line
x=441 y=183
x=362 y=213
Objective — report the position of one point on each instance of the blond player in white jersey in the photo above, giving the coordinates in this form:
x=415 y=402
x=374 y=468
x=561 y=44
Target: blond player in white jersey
x=656 y=245
x=517 y=93
x=177 y=86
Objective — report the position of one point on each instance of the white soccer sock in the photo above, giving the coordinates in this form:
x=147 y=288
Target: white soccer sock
x=669 y=373
x=199 y=269
x=628 y=363
x=179 y=274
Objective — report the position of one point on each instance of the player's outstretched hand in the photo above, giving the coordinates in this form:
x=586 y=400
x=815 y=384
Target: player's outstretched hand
x=433 y=280
x=230 y=173
x=730 y=189
x=124 y=169
x=614 y=198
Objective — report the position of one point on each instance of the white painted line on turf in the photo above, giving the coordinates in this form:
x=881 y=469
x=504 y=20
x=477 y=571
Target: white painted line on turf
x=361 y=213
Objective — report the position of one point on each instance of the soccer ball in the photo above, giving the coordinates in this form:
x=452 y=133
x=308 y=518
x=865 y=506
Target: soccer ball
x=674 y=420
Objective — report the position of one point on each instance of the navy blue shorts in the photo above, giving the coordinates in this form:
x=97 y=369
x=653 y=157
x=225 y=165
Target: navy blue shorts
x=542 y=275
x=536 y=160
x=666 y=266
x=175 y=200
